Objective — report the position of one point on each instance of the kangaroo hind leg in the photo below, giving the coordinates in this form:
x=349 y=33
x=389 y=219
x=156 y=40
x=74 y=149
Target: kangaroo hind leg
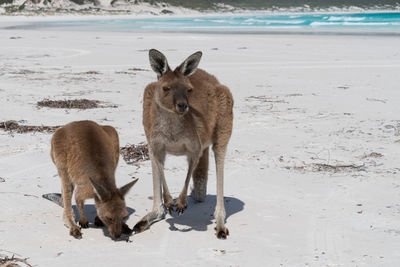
x=220 y=214
x=68 y=216
x=200 y=177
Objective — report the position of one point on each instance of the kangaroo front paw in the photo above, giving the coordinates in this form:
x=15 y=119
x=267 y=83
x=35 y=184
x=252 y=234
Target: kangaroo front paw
x=140 y=226
x=181 y=205
x=169 y=205
x=222 y=232
x=84 y=223
x=98 y=222
x=75 y=232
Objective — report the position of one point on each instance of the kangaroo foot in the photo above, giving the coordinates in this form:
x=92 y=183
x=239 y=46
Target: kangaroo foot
x=75 y=232
x=153 y=216
x=140 y=226
x=84 y=223
x=222 y=232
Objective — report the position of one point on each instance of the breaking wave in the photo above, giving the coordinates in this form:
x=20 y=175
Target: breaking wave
x=388 y=20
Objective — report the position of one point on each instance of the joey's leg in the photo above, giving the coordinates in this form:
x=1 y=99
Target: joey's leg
x=181 y=203
x=157 y=165
x=219 y=214
x=68 y=216
x=80 y=203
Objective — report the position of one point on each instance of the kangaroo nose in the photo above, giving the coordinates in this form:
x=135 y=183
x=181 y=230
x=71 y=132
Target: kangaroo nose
x=181 y=107
x=115 y=236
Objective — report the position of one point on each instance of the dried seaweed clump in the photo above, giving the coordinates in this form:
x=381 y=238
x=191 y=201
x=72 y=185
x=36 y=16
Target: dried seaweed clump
x=90 y=72
x=15 y=127
x=74 y=104
x=338 y=168
x=135 y=153
x=138 y=69
x=13 y=262
x=317 y=167
x=372 y=155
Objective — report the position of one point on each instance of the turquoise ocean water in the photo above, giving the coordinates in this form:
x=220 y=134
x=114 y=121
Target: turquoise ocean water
x=353 y=21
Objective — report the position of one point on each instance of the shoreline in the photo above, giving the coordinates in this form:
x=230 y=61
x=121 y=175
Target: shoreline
x=127 y=23
x=302 y=32
x=187 y=13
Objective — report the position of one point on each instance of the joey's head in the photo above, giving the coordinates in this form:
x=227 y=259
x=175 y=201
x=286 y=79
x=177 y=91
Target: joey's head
x=174 y=89
x=111 y=207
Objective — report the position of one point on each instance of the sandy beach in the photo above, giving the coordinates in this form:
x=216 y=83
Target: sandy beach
x=312 y=170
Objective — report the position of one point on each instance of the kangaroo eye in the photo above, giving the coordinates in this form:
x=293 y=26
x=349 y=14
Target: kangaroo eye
x=190 y=90
x=166 y=89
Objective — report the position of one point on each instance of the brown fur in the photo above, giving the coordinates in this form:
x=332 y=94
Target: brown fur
x=86 y=156
x=171 y=129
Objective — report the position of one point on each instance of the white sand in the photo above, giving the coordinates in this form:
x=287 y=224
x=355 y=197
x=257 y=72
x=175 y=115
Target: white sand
x=299 y=100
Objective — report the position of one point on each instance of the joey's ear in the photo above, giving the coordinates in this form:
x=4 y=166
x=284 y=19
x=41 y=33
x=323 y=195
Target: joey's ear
x=158 y=62
x=189 y=66
x=99 y=190
x=123 y=190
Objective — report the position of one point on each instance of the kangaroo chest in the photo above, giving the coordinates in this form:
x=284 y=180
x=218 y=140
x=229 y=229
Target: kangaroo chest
x=177 y=135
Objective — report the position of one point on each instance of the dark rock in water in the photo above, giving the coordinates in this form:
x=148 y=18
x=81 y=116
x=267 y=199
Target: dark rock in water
x=79 y=2
x=6 y=2
x=54 y=197
x=166 y=11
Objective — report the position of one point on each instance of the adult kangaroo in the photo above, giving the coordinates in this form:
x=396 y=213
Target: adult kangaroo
x=185 y=112
x=86 y=155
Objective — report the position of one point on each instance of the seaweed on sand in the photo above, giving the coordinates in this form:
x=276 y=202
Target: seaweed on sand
x=14 y=127
x=72 y=104
x=135 y=153
x=13 y=261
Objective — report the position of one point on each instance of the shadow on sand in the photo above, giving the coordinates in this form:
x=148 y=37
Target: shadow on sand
x=200 y=214
x=91 y=212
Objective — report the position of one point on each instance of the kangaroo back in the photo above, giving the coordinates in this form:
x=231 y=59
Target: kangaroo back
x=86 y=149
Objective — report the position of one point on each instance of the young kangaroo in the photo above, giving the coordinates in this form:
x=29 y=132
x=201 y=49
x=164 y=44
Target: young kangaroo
x=184 y=112
x=86 y=155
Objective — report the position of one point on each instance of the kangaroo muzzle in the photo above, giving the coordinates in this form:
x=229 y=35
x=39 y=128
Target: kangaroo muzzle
x=181 y=102
x=181 y=107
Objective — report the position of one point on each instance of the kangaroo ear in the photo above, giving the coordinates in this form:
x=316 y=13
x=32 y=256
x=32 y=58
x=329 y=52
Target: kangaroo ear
x=99 y=190
x=123 y=190
x=189 y=66
x=158 y=62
